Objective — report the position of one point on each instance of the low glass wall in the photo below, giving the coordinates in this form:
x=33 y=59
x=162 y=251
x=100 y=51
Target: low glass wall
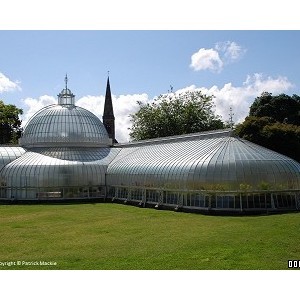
x=227 y=201
x=52 y=193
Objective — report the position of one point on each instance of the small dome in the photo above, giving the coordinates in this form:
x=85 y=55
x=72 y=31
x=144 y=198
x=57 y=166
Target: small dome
x=66 y=92
x=64 y=125
x=66 y=97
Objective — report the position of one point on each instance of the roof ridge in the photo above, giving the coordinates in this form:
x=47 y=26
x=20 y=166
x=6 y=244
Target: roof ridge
x=179 y=138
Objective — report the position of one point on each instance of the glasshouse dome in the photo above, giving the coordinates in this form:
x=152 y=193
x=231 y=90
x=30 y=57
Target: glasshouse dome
x=64 y=124
x=67 y=154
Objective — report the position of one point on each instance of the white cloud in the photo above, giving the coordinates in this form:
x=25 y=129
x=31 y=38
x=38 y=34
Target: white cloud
x=186 y=89
x=230 y=51
x=214 y=59
x=95 y=104
x=124 y=105
x=267 y=84
x=238 y=97
x=6 y=85
x=206 y=59
x=35 y=105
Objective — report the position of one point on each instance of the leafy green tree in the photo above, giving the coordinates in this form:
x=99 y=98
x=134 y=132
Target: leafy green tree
x=283 y=138
x=274 y=122
x=252 y=129
x=282 y=108
x=10 y=124
x=174 y=114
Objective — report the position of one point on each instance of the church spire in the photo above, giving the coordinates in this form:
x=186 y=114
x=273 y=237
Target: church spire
x=108 y=107
x=108 y=114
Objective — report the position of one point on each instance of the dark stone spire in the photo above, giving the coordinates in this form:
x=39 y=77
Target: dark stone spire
x=108 y=114
x=108 y=107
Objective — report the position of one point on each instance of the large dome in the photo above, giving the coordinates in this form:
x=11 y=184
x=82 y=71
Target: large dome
x=64 y=124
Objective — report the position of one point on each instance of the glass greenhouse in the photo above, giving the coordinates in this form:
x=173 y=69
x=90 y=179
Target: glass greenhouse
x=206 y=171
x=66 y=153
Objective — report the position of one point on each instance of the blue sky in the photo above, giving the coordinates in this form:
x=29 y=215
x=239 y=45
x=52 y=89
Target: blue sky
x=235 y=66
x=138 y=61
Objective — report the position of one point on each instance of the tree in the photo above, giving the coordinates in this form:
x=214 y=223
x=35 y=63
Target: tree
x=283 y=138
x=10 y=124
x=282 y=108
x=273 y=122
x=264 y=131
x=252 y=129
x=174 y=114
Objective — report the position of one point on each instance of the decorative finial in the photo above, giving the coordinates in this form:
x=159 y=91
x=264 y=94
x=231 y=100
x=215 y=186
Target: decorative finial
x=107 y=73
x=66 y=81
x=171 y=89
x=231 y=114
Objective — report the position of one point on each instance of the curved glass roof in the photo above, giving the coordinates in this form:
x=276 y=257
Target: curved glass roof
x=64 y=125
x=208 y=161
x=59 y=167
x=8 y=154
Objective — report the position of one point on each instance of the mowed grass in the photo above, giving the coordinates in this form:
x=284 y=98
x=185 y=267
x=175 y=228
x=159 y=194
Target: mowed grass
x=114 y=236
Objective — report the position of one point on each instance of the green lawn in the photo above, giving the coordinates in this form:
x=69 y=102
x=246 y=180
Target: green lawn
x=113 y=236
